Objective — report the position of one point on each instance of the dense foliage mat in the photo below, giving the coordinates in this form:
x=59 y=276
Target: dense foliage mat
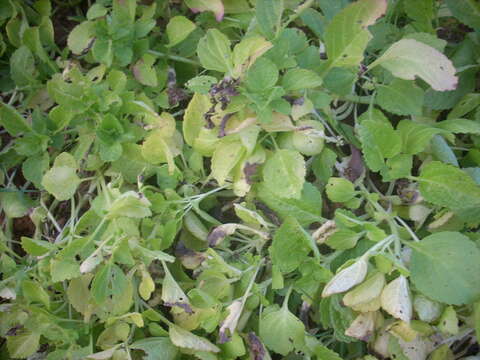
x=240 y=179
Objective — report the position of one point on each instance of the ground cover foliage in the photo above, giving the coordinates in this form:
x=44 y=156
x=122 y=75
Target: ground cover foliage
x=240 y=179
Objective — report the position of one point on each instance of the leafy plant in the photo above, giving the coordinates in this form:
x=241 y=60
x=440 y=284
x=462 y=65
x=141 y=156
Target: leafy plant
x=240 y=179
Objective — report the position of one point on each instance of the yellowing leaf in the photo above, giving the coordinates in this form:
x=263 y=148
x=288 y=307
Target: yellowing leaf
x=224 y=159
x=396 y=300
x=178 y=28
x=284 y=173
x=23 y=345
x=193 y=120
x=346 y=36
x=346 y=278
x=408 y=58
x=362 y=327
x=216 y=6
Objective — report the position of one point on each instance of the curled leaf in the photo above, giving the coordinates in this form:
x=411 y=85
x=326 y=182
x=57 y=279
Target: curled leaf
x=396 y=300
x=368 y=291
x=347 y=278
x=362 y=327
x=231 y=321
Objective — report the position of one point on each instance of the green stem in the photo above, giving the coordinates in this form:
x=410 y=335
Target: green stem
x=287 y=297
x=175 y=58
x=298 y=12
x=357 y=99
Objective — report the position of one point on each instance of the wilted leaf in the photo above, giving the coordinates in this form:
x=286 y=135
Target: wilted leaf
x=408 y=58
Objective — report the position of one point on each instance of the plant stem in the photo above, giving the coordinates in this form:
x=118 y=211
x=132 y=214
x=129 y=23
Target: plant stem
x=357 y=99
x=175 y=58
x=298 y=12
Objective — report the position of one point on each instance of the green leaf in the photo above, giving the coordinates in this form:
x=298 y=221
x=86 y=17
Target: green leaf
x=281 y=331
x=269 y=16
x=156 y=348
x=185 y=339
x=102 y=51
x=306 y=210
x=23 y=345
x=340 y=189
x=22 y=66
x=34 y=167
x=95 y=11
x=408 y=58
x=298 y=79
x=34 y=292
x=379 y=141
x=448 y=186
x=346 y=36
x=290 y=246
x=12 y=121
x=401 y=97
x=214 y=51
x=460 y=126
x=130 y=204
x=422 y=12
x=178 y=28
x=61 y=182
x=441 y=151
x=14 y=203
x=445 y=267
x=80 y=37
x=36 y=247
x=467 y=11
x=415 y=136
x=262 y=75
x=109 y=282
x=285 y=173
x=343 y=239
x=64 y=269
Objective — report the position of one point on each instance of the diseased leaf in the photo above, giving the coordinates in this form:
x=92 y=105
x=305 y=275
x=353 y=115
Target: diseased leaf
x=285 y=173
x=445 y=267
x=408 y=58
x=467 y=11
x=225 y=158
x=396 y=300
x=61 y=182
x=346 y=278
x=81 y=37
x=346 y=36
x=216 y=6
